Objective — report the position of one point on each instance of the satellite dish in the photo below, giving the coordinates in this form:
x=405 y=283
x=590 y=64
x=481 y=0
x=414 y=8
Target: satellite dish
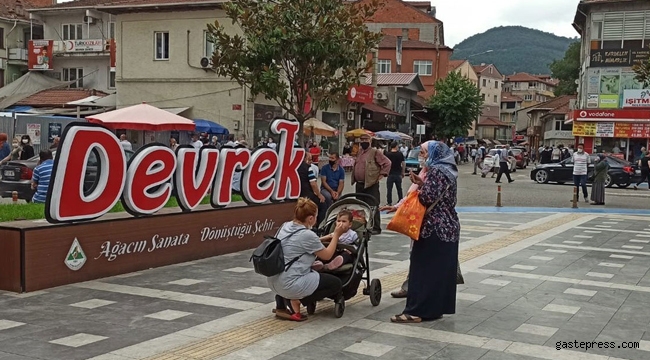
x=205 y=62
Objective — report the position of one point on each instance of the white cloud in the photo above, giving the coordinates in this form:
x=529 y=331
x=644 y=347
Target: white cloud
x=464 y=18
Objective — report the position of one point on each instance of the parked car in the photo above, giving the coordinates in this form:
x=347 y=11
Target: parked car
x=489 y=160
x=621 y=173
x=520 y=158
x=524 y=154
x=412 y=162
x=17 y=176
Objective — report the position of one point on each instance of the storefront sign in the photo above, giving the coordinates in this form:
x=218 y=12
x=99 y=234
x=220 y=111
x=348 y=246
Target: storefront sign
x=593 y=81
x=592 y=101
x=636 y=98
x=584 y=129
x=146 y=182
x=619 y=58
x=40 y=55
x=608 y=101
x=361 y=93
x=631 y=130
x=605 y=129
x=611 y=115
x=88 y=45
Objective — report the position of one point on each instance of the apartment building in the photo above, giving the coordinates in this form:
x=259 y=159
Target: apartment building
x=612 y=111
x=81 y=40
x=490 y=84
x=533 y=89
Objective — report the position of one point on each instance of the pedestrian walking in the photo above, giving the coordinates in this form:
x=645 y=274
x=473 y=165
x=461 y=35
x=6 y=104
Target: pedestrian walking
x=504 y=166
x=396 y=173
x=478 y=161
x=581 y=162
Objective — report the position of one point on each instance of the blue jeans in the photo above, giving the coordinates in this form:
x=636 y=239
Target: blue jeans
x=581 y=181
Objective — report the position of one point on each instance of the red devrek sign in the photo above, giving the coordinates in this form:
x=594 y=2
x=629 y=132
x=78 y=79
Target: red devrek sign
x=361 y=94
x=144 y=184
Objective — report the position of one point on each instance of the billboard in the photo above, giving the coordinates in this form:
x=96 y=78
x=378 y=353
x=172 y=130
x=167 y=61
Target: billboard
x=40 y=55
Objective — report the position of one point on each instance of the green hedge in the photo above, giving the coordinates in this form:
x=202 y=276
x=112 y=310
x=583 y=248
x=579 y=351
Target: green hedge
x=31 y=211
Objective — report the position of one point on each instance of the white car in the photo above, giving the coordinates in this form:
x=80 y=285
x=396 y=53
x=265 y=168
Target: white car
x=489 y=160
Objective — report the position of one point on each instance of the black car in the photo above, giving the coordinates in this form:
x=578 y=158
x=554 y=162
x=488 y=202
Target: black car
x=621 y=173
x=17 y=176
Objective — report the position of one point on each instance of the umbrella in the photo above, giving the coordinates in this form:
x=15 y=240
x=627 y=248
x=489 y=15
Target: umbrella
x=142 y=117
x=210 y=127
x=404 y=136
x=358 y=132
x=388 y=135
x=314 y=126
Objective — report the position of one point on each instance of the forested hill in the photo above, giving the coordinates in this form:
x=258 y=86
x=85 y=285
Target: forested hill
x=514 y=49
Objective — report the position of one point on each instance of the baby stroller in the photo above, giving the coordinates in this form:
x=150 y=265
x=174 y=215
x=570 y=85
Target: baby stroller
x=352 y=274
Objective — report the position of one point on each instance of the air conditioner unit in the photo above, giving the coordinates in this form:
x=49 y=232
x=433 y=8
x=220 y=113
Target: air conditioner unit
x=381 y=95
x=350 y=115
x=88 y=20
x=107 y=46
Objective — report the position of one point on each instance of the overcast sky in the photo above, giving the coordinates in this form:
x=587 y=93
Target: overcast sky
x=464 y=18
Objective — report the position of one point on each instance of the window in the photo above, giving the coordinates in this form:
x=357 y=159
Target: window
x=614 y=30
x=111 y=79
x=496 y=84
x=483 y=97
x=495 y=98
x=423 y=67
x=511 y=105
x=162 y=45
x=528 y=97
x=561 y=126
x=209 y=46
x=2 y=38
x=384 y=66
x=72 y=74
x=72 y=31
x=484 y=83
x=111 y=30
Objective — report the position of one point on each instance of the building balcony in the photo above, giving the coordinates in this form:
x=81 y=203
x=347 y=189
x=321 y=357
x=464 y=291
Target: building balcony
x=17 y=55
x=84 y=47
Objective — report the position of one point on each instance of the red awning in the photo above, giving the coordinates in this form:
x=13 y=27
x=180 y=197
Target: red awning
x=142 y=117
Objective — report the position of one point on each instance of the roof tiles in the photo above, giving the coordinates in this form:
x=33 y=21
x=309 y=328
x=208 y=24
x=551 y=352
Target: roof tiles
x=392 y=79
x=59 y=97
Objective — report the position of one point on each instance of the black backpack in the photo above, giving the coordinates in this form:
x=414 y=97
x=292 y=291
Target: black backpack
x=268 y=257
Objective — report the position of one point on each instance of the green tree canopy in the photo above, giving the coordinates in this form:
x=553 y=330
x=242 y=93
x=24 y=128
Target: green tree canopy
x=642 y=71
x=289 y=50
x=567 y=70
x=455 y=106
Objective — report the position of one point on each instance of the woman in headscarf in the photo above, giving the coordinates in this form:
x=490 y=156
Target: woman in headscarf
x=598 y=185
x=434 y=257
x=422 y=157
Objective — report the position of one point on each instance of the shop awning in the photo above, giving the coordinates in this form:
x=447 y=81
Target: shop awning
x=487 y=141
x=380 y=109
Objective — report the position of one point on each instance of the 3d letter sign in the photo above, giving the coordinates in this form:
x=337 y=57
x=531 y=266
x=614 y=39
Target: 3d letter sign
x=146 y=182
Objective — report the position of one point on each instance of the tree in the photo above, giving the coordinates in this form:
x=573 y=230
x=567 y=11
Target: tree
x=455 y=105
x=642 y=71
x=295 y=52
x=567 y=70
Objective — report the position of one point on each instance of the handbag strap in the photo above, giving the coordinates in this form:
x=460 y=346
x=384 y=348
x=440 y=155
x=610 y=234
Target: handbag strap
x=438 y=200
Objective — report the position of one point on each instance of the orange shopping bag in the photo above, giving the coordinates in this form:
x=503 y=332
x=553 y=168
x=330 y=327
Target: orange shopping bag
x=408 y=218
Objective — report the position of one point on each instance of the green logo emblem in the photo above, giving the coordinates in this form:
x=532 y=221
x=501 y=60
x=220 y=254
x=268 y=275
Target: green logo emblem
x=76 y=257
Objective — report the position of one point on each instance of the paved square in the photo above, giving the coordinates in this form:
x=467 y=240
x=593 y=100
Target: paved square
x=369 y=349
x=92 y=303
x=168 y=315
x=78 y=340
x=8 y=324
x=185 y=282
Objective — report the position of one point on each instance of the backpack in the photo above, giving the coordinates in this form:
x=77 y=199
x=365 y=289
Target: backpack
x=268 y=257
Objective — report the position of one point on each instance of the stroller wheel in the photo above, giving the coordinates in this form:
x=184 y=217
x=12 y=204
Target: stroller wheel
x=339 y=307
x=311 y=308
x=374 y=291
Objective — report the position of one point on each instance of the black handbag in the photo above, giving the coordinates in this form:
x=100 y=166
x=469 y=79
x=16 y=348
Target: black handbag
x=268 y=257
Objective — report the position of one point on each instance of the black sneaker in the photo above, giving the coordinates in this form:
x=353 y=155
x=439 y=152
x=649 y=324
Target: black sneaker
x=375 y=231
x=510 y=181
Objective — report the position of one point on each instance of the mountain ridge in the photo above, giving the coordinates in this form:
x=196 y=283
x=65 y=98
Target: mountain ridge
x=514 y=49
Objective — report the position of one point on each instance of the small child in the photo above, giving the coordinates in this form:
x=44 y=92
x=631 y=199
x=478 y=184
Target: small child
x=349 y=237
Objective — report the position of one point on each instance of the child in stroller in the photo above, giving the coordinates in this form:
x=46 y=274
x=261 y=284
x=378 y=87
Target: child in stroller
x=343 y=256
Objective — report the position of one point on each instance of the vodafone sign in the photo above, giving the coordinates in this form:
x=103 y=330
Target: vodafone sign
x=611 y=115
x=145 y=183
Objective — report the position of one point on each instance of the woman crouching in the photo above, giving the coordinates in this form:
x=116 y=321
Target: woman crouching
x=300 y=245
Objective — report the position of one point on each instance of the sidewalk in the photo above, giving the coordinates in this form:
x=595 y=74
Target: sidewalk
x=532 y=279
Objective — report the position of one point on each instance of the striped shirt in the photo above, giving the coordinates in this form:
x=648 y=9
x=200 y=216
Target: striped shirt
x=580 y=163
x=42 y=178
